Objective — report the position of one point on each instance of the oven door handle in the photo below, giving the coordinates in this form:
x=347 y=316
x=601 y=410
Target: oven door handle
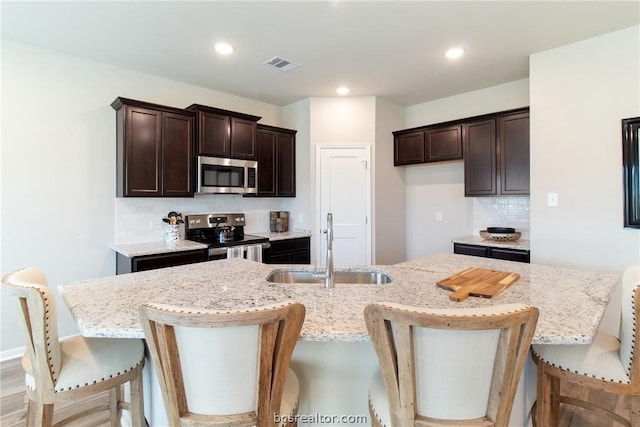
x=223 y=250
x=218 y=251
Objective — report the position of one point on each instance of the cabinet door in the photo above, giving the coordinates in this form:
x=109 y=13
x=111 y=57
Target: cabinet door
x=290 y=251
x=513 y=145
x=286 y=165
x=443 y=143
x=266 y=149
x=177 y=155
x=213 y=134
x=142 y=163
x=243 y=139
x=409 y=149
x=480 y=169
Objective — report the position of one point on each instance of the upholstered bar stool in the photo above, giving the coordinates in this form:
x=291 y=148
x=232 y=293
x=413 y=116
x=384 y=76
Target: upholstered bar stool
x=76 y=367
x=447 y=367
x=226 y=368
x=609 y=364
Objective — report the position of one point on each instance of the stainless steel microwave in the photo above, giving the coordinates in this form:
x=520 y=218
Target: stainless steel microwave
x=227 y=176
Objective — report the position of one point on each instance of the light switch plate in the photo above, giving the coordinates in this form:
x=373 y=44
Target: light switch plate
x=552 y=200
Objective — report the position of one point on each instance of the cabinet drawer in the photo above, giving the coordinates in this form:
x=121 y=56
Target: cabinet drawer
x=519 y=255
x=126 y=264
x=510 y=254
x=460 y=248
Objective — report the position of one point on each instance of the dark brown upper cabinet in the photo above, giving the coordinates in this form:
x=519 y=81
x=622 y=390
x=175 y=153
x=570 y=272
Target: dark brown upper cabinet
x=513 y=153
x=276 y=148
x=480 y=157
x=223 y=133
x=427 y=144
x=408 y=148
x=154 y=150
x=443 y=143
x=496 y=154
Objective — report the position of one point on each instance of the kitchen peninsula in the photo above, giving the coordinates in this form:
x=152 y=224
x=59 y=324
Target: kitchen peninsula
x=571 y=304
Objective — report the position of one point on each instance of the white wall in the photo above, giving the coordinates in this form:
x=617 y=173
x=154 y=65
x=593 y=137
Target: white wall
x=58 y=165
x=579 y=94
x=337 y=120
x=297 y=116
x=389 y=241
x=357 y=120
x=439 y=187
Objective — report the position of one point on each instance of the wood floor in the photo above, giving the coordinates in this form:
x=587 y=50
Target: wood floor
x=12 y=406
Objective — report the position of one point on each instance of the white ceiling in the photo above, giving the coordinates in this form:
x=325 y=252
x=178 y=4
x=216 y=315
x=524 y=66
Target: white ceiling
x=394 y=49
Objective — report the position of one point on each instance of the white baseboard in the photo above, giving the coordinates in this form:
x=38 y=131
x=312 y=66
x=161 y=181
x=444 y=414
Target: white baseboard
x=14 y=353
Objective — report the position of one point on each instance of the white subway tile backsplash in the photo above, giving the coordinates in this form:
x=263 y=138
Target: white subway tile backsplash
x=139 y=220
x=501 y=212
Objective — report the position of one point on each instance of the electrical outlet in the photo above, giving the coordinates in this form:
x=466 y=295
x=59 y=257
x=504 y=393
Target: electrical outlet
x=438 y=216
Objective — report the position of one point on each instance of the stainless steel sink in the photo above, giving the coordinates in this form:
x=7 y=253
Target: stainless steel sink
x=367 y=277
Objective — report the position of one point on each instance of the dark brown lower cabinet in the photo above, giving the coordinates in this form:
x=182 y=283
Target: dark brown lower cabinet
x=125 y=264
x=290 y=251
x=519 y=255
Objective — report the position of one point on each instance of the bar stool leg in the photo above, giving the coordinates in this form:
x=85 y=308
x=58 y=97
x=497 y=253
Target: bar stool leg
x=548 y=405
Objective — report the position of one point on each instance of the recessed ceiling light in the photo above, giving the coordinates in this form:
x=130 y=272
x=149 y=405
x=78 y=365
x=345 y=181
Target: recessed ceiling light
x=454 y=53
x=342 y=90
x=224 y=48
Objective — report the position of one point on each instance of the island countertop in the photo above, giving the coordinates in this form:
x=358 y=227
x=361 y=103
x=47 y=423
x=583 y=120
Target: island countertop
x=571 y=301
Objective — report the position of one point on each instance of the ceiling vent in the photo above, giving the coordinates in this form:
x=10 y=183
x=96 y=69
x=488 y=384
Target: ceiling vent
x=281 y=64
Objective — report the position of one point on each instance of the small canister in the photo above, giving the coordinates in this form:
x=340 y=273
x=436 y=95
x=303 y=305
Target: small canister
x=172 y=233
x=279 y=221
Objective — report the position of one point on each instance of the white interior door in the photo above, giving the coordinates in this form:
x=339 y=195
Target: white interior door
x=344 y=190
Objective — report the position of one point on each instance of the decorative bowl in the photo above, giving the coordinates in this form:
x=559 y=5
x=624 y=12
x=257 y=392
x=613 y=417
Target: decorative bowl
x=500 y=237
x=501 y=230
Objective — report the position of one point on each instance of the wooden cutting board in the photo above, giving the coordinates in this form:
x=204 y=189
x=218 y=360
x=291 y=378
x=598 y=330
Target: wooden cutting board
x=477 y=282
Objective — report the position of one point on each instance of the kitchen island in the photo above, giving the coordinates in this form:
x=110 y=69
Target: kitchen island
x=334 y=358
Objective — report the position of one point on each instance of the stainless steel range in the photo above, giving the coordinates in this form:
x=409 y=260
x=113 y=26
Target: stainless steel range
x=224 y=234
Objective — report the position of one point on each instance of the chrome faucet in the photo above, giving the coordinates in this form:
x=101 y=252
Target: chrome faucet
x=329 y=279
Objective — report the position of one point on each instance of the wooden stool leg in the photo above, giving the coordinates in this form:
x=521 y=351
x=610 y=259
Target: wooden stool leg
x=634 y=409
x=137 y=401
x=31 y=413
x=548 y=405
x=42 y=414
x=114 y=403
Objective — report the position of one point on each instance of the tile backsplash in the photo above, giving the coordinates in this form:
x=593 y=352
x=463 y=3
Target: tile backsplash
x=140 y=219
x=501 y=212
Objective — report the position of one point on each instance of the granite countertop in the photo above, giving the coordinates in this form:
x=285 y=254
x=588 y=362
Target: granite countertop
x=522 y=243
x=151 y=248
x=571 y=302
